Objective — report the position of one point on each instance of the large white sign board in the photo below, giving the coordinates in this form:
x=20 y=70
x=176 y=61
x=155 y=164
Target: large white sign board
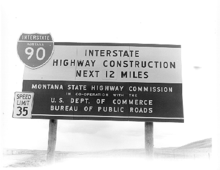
x=99 y=81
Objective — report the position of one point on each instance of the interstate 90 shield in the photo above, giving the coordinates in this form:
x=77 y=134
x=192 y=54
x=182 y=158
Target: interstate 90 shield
x=35 y=50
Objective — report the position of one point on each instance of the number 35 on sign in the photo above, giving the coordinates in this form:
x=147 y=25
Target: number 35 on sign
x=23 y=104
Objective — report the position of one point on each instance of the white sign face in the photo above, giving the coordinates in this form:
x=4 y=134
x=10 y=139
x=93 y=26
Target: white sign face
x=148 y=64
x=23 y=104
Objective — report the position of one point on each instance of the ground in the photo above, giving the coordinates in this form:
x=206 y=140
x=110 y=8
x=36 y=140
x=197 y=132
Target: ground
x=195 y=152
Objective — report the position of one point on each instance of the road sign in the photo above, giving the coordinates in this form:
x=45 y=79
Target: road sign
x=98 y=81
x=23 y=104
x=35 y=50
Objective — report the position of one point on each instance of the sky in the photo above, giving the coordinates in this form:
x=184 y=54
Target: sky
x=191 y=24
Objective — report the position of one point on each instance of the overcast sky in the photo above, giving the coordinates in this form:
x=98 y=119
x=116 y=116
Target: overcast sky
x=191 y=24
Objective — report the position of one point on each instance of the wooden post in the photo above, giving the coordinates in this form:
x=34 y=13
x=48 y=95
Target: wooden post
x=149 y=139
x=52 y=136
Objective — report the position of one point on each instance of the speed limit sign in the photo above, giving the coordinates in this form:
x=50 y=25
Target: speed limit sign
x=23 y=104
x=35 y=50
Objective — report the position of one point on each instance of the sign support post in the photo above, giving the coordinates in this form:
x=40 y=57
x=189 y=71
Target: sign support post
x=52 y=136
x=149 y=140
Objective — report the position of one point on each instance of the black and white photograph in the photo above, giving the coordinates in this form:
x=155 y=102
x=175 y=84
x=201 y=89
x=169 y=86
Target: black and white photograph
x=110 y=84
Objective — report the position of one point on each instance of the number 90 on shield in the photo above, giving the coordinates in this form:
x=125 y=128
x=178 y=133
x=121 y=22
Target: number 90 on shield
x=23 y=104
x=40 y=53
x=35 y=50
